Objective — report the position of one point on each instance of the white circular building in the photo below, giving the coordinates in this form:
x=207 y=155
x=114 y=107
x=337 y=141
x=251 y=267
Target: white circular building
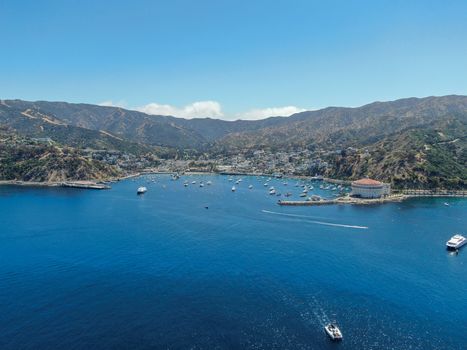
x=369 y=188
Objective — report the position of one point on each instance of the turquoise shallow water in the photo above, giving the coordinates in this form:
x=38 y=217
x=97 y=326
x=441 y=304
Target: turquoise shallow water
x=111 y=270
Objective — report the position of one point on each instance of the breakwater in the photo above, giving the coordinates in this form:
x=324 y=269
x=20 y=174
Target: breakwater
x=345 y=200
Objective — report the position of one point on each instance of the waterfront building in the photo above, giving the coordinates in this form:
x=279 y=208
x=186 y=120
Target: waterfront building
x=369 y=188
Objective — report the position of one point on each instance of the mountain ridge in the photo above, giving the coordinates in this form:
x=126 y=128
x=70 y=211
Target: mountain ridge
x=377 y=127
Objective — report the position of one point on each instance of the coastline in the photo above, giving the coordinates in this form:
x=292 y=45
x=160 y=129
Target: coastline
x=347 y=200
x=72 y=184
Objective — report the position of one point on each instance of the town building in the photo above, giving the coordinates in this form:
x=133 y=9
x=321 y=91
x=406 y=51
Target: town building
x=369 y=188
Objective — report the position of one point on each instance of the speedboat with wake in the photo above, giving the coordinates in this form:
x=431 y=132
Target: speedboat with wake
x=333 y=331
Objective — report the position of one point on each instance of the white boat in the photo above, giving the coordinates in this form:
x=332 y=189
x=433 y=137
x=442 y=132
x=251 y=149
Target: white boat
x=302 y=194
x=273 y=191
x=333 y=331
x=141 y=190
x=201 y=185
x=233 y=188
x=237 y=182
x=266 y=184
x=185 y=184
x=230 y=179
x=271 y=188
x=456 y=242
x=193 y=182
x=250 y=187
x=208 y=183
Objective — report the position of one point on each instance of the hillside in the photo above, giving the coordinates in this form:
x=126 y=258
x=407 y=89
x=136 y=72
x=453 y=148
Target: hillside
x=337 y=127
x=413 y=158
x=35 y=124
x=23 y=159
x=408 y=141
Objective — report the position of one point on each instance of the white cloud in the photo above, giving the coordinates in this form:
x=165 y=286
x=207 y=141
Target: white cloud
x=261 y=113
x=198 y=109
x=209 y=109
x=110 y=103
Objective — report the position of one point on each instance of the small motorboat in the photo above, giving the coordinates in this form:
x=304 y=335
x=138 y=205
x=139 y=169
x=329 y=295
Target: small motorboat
x=208 y=183
x=141 y=190
x=333 y=331
x=201 y=184
x=233 y=188
x=272 y=192
x=193 y=182
x=250 y=187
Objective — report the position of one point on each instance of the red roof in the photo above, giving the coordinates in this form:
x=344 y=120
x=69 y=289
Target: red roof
x=367 y=182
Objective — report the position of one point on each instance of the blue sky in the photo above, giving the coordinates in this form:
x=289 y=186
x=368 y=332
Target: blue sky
x=246 y=58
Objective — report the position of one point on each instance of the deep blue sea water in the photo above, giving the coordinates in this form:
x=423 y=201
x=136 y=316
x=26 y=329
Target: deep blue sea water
x=83 y=269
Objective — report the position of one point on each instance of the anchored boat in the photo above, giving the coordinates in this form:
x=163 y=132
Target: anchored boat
x=141 y=190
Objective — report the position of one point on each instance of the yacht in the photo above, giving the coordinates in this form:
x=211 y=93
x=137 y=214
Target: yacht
x=141 y=190
x=333 y=331
x=233 y=188
x=456 y=242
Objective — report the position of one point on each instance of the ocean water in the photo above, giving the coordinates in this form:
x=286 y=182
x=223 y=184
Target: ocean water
x=83 y=269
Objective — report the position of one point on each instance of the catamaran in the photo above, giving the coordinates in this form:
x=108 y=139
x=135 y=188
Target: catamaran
x=456 y=242
x=333 y=331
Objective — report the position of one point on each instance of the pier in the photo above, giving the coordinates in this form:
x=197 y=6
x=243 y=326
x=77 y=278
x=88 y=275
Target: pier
x=346 y=200
x=86 y=185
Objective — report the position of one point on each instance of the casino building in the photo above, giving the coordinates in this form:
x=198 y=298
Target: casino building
x=368 y=188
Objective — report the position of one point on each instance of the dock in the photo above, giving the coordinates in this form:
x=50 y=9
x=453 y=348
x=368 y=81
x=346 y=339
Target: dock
x=86 y=185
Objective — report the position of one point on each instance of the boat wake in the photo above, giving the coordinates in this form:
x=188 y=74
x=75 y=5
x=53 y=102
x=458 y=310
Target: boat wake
x=310 y=311
x=314 y=221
